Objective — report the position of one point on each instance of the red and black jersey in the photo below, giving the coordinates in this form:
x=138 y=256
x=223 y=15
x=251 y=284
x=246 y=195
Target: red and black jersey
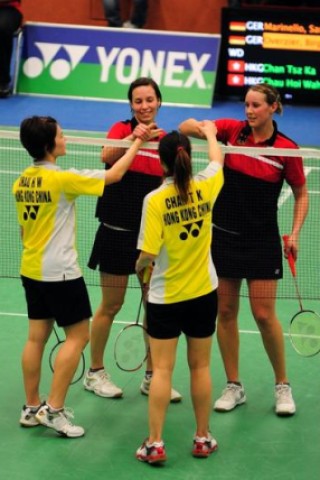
x=247 y=204
x=121 y=203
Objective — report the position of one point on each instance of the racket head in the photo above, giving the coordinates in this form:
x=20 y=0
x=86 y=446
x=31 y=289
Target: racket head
x=80 y=368
x=304 y=333
x=129 y=349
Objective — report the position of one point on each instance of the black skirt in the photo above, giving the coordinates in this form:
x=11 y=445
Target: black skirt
x=237 y=256
x=114 y=251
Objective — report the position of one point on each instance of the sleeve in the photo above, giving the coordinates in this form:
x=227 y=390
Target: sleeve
x=150 y=237
x=82 y=182
x=211 y=169
x=212 y=179
x=118 y=131
x=225 y=127
x=294 y=173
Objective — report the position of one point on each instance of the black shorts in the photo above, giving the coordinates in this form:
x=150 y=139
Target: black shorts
x=115 y=251
x=67 y=302
x=236 y=256
x=195 y=318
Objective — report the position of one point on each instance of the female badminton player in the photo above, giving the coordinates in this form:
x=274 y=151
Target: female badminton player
x=175 y=234
x=119 y=212
x=54 y=287
x=246 y=239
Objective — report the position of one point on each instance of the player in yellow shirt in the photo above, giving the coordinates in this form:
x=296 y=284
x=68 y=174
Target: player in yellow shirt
x=175 y=235
x=54 y=287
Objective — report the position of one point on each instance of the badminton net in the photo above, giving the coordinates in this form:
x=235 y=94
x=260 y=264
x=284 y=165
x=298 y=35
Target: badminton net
x=84 y=152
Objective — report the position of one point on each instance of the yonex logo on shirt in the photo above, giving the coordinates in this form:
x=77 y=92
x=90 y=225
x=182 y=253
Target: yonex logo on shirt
x=192 y=229
x=31 y=211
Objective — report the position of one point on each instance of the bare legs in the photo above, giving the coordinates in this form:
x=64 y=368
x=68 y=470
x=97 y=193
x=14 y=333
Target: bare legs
x=113 y=289
x=67 y=360
x=39 y=332
x=113 y=294
x=263 y=310
x=262 y=294
x=163 y=356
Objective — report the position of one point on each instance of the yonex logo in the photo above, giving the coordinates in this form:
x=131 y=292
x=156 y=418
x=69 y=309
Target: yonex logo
x=60 y=58
x=31 y=211
x=192 y=229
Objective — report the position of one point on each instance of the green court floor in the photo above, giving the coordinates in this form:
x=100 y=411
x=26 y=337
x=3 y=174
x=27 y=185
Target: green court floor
x=254 y=444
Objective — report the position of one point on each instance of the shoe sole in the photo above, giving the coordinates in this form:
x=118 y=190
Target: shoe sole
x=63 y=434
x=117 y=395
x=68 y=436
x=202 y=454
x=285 y=414
x=152 y=461
x=27 y=425
x=238 y=404
x=176 y=400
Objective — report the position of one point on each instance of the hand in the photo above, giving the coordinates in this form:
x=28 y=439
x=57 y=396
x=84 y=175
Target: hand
x=146 y=132
x=208 y=128
x=144 y=274
x=290 y=247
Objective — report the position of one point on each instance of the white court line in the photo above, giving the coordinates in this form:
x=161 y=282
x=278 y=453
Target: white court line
x=121 y=322
x=286 y=192
x=10 y=172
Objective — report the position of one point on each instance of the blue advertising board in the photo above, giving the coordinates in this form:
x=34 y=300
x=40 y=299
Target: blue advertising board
x=99 y=63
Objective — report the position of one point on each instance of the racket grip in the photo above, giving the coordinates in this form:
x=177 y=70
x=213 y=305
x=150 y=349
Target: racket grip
x=291 y=262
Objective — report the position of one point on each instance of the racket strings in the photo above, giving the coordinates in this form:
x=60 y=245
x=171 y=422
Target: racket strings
x=305 y=333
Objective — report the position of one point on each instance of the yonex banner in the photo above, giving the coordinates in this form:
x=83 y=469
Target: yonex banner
x=100 y=63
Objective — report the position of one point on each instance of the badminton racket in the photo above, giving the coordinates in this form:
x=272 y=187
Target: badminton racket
x=52 y=358
x=130 y=351
x=304 y=329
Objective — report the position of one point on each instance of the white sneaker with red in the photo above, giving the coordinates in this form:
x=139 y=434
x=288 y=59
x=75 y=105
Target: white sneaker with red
x=152 y=452
x=204 y=446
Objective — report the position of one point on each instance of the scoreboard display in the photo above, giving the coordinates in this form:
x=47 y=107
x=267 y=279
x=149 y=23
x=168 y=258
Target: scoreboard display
x=280 y=47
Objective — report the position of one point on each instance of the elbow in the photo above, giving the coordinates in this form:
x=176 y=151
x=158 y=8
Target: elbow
x=119 y=177
x=183 y=127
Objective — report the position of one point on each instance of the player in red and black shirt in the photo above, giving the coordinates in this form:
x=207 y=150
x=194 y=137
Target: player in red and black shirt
x=119 y=212
x=246 y=242
x=10 y=21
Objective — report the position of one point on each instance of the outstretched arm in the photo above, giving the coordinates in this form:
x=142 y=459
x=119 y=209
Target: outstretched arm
x=209 y=131
x=191 y=127
x=145 y=132
x=118 y=169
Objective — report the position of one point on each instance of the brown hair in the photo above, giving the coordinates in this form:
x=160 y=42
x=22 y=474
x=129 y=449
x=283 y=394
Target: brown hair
x=145 y=82
x=272 y=95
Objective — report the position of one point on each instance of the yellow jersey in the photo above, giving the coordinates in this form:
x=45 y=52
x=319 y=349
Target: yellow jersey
x=45 y=199
x=179 y=234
